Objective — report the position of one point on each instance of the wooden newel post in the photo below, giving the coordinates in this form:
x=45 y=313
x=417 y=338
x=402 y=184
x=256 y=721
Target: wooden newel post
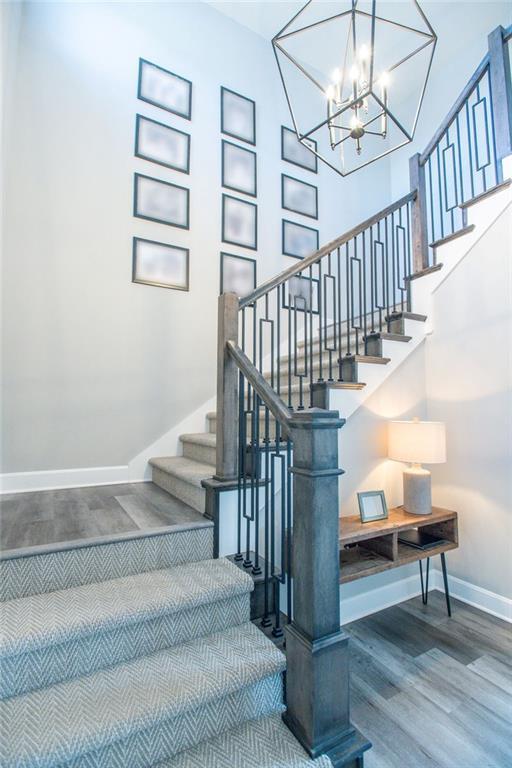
x=317 y=677
x=501 y=87
x=419 y=215
x=227 y=390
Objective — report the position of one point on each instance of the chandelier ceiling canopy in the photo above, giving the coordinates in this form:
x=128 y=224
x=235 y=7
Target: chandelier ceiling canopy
x=354 y=74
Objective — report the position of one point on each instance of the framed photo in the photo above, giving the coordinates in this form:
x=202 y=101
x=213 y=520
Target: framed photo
x=237 y=274
x=164 y=89
x=239 y=222
x=298 y=241
x=301 y=293
x=162 y=144
x=237 y=116
x=372 y=506
x=238 y=168
x=161 y=201
x=166 y=266
x=299 y=197
x=294 y=151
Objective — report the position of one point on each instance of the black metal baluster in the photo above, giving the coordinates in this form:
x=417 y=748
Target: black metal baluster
x=372 y=280
x=432 y=212
x=468 y=128
x=321 y=333
x=266 y=621
x=497 y=168
x=439 y=184
x=459 y=155
x=310 y=362
x=347 y=286
x=339 y=328
x=386 y=249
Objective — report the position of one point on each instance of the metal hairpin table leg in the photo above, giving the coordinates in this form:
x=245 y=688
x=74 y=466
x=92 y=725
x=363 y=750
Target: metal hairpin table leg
x=445 y=579
x=424 y=588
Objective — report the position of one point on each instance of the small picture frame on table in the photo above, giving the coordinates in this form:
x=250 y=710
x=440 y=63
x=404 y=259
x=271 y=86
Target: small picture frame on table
x=372 y=506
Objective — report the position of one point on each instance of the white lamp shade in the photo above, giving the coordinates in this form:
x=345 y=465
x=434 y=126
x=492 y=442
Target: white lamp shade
x=419 y=442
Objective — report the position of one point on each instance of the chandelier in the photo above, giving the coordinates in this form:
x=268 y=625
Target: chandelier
x=354 y=74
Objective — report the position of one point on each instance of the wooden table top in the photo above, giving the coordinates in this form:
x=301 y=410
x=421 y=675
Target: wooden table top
x=353 y=530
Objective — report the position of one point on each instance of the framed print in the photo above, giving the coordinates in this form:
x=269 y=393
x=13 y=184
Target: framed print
x=293 y=151
x=237 y=116
x=298 y=240
x=238 y=168
x=237 y=274
x=301 y=293
x=164 y=89
x=160 y=201
x=162 y=144
x=298 y=196
x=239 y=222
x=372 y=506
x=166 y=266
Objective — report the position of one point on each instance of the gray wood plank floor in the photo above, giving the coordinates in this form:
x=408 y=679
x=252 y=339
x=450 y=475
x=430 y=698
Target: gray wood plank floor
x=432 y=691
x=48 y=517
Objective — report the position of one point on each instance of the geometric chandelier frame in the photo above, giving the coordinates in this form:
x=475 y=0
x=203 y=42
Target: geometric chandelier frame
x=357 y=110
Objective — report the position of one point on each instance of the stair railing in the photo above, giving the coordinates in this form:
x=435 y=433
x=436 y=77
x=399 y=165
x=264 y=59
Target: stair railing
x=464 y=157
x=302 y=333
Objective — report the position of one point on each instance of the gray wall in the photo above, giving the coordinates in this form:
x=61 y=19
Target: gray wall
x=96 y=368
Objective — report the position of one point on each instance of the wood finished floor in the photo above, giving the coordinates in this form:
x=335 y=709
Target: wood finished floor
x=49 y=517
x=433 y=692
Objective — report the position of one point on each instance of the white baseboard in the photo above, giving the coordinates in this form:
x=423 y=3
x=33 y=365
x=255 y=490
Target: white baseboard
x=478 y=597
x=379 y=598
x=19 y=482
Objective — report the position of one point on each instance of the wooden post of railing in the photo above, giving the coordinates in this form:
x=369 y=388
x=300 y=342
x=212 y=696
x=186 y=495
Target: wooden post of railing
x=419 y=233
x=227 y=390
x=317 y=677
x=501 y=86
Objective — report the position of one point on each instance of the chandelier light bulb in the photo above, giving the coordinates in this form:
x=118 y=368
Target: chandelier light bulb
x=364 y=53
x=385 y=80
x=336 y=76
x=354 y=72
x=330 y=92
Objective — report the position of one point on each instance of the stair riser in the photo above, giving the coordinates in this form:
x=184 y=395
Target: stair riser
x=187 y=492
x=23 y=576
x=85 y=655
x=168 y=737
x=202 y=453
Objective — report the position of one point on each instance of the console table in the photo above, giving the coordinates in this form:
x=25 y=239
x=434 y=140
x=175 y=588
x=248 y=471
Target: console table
x=369 y=548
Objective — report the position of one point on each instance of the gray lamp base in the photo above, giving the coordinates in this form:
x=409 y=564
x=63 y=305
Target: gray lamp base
x=417 y=491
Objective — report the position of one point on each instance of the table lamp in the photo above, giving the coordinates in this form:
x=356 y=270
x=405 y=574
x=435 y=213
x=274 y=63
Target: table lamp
x=417 y=442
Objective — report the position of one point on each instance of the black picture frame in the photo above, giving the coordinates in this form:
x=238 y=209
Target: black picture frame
x=284 y=295
x=224 y=237
x=235 y=256
x=154 y=283
x=187 y=114
x=364 y=514
x=138 y=153
x=313 y=166
x=226 y=131
x=225 y=144
x=138 y=215
x=284 y=224
x=302 y=212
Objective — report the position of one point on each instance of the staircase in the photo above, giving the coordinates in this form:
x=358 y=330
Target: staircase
x=363 y=374
x=138 y=652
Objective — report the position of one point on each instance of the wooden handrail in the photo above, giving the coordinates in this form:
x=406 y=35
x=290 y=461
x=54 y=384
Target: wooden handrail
x=303 y=264
x=452 y=114
x=270 y=398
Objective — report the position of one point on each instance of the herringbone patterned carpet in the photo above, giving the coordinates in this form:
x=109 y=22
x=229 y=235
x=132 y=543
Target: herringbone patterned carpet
x=147 y=656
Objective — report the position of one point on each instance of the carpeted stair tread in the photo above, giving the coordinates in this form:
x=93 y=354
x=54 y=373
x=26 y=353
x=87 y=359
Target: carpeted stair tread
x=56 y=617
x=265 y=743
x=199 y=438
x=101 y=712
x=186 y=469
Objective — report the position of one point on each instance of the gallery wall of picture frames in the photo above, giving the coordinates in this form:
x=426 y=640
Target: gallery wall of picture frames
x=239 y=216
x=298 y=239
x=156 y=199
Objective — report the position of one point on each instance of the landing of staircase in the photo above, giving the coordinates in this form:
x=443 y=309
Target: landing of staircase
x=43 y=518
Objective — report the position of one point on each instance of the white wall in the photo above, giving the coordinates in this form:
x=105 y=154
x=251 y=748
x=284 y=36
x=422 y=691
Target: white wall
x=469 y=386
x=95 y=367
